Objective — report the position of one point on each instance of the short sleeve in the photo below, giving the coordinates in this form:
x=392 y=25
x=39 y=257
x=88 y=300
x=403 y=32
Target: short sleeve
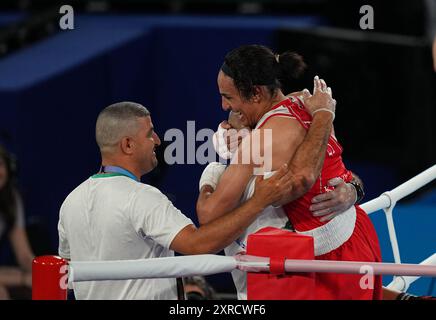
x=154 y=216
x=64 y=247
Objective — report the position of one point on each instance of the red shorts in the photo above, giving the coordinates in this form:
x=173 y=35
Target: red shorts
x=363 y=245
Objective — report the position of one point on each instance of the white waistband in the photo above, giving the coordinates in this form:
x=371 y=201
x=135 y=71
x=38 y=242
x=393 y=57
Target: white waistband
x=333 y=234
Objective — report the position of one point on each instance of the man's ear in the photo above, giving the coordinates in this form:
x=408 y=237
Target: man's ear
x=127 y=145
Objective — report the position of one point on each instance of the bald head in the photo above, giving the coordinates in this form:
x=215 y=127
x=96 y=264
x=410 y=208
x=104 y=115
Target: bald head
x=117 y=121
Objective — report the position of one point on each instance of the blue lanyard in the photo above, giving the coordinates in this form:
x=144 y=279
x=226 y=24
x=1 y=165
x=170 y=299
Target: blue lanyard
x=115 y=169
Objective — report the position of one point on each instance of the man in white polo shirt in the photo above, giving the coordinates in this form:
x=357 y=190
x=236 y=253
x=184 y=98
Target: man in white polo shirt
x=112 y=216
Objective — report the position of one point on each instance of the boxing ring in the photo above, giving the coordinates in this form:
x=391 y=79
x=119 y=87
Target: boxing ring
x=52 y=275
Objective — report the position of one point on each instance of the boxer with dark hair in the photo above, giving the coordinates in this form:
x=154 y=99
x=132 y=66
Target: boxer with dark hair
x=250 y=85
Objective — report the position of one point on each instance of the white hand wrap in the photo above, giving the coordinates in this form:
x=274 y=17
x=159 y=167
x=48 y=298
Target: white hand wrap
x=212 y=174
x=220 y=137
x=219 y=143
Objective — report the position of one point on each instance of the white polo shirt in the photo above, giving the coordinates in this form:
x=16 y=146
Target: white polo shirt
x=113 y=217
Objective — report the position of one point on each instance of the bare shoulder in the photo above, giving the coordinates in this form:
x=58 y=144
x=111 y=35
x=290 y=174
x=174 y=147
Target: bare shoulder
x=282 y=136
x=282 y=127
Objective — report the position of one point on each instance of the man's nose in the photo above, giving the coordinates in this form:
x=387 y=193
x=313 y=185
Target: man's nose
x=156 y=139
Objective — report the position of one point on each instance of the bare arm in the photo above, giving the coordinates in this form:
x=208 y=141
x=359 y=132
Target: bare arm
x=21 y=246
x=305 y=167
x=308 y=159
x=219 y=233
x=12 y=276
x=212 y=204
x=305 y=164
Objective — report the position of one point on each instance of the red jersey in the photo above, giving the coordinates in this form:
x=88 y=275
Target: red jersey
x=362 y=245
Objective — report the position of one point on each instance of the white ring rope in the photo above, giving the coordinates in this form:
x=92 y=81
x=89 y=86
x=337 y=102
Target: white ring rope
x=402 y=283
x=172 y=267
x=390 y=198
x=169 y=267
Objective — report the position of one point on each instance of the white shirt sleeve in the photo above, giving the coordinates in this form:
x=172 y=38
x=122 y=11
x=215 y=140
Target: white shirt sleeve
x=64 y=247
x=154 y=216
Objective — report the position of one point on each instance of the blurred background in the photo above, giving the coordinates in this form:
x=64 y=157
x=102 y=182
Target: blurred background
x=166 y=55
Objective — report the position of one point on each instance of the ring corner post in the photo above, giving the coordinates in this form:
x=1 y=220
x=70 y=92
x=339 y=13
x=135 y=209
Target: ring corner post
x=49 y=278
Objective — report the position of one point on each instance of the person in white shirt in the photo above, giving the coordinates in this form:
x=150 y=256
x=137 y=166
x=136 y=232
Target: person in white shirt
x=112 y=216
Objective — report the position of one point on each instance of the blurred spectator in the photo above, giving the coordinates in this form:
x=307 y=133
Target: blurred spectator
x=197 y=288
x=15 y=282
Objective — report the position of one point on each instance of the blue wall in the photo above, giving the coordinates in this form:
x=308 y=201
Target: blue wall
x=414 y=225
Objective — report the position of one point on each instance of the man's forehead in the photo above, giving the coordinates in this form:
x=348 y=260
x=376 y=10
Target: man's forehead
x=146 y=121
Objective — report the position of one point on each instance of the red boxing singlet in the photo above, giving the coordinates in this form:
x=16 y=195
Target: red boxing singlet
x=363 y=243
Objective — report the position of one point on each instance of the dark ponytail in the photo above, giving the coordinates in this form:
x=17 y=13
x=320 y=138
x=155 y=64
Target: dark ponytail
x=291 y=66
x=253 y=65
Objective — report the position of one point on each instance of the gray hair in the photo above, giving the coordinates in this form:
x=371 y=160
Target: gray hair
x=117 y=121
